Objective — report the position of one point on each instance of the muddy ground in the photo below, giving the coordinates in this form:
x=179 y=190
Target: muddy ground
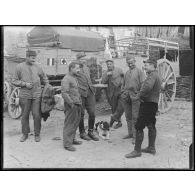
x=174 y=135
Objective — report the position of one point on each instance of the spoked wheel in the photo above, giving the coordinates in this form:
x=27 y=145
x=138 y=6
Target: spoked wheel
x=168 y=86
x=14 y=108
x=6 y=94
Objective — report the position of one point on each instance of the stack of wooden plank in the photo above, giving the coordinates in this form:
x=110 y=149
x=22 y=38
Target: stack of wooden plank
x=184 y=88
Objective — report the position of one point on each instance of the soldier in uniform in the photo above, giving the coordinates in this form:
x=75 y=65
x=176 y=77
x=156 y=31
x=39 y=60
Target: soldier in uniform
x=29 y=76
x=149 y=95
x=72 y=105
x=114 y=78
x=88 y=98
x=133 y=80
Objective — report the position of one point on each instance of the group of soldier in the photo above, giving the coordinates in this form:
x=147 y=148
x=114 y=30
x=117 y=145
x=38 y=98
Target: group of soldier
x=133 y=93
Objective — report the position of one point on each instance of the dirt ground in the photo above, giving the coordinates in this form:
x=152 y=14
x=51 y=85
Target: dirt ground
x=174 y=135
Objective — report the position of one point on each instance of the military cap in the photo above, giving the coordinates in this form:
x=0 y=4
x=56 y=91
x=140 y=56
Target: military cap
x=109 y=60
x=130 y=56
x=151 y=61
x=31 y=53
x=80 y=55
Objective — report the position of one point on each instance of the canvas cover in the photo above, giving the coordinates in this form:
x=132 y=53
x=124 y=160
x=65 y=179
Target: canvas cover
x=65 y=37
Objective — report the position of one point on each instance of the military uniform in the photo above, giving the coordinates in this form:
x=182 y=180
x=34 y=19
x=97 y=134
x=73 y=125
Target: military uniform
x=113 y=92
x=149 y=95
x=87 y=92
x=72 y=105
x=30 y=98
x=132 y=84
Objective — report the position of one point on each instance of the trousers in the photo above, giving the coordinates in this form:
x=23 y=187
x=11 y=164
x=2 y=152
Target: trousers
x=88 y=103
x=33 y=105
x=131 y=113
x=146 y=116
x=71 y=123
x=116 y=104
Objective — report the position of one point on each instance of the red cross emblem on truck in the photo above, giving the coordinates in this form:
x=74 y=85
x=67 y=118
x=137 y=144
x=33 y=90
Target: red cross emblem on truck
x=63 y=61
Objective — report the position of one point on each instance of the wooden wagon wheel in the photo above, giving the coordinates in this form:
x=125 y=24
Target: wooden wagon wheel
x=168 y=86
x=6 y=94
x=14 y=108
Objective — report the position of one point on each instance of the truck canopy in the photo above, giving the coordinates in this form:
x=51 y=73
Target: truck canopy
x=67 y=38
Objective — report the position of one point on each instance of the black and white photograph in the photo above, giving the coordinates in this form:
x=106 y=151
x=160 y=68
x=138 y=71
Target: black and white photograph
x=98 y=97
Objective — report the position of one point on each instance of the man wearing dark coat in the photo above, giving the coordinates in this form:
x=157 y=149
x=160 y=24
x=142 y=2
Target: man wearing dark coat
x=87 y=92
x=149 y=96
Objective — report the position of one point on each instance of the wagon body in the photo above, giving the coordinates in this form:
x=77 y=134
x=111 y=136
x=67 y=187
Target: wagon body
x=143 y=48
x=167 y=55
x=55 y=60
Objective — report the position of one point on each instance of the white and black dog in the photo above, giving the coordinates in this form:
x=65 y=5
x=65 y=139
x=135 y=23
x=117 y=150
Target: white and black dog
x=103 y=130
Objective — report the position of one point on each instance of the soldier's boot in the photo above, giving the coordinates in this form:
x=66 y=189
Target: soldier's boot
x=37 y=138
x=92 y=136
x=24 y=137
x=151 y=140
x=137 y=149
x=83 y=135
x=76 y=142
x=70 y=148
x=130 y=133
x=118 y=125
x=111 y=121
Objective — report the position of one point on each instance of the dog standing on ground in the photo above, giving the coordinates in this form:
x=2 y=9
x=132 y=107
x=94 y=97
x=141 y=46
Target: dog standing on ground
x=103 y=130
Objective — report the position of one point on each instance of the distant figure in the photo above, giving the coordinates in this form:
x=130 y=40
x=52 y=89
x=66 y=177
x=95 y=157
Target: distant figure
x=29 y=76
x=149 y=96
x=72 y=106
x=133 y=80
x=114 y=78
